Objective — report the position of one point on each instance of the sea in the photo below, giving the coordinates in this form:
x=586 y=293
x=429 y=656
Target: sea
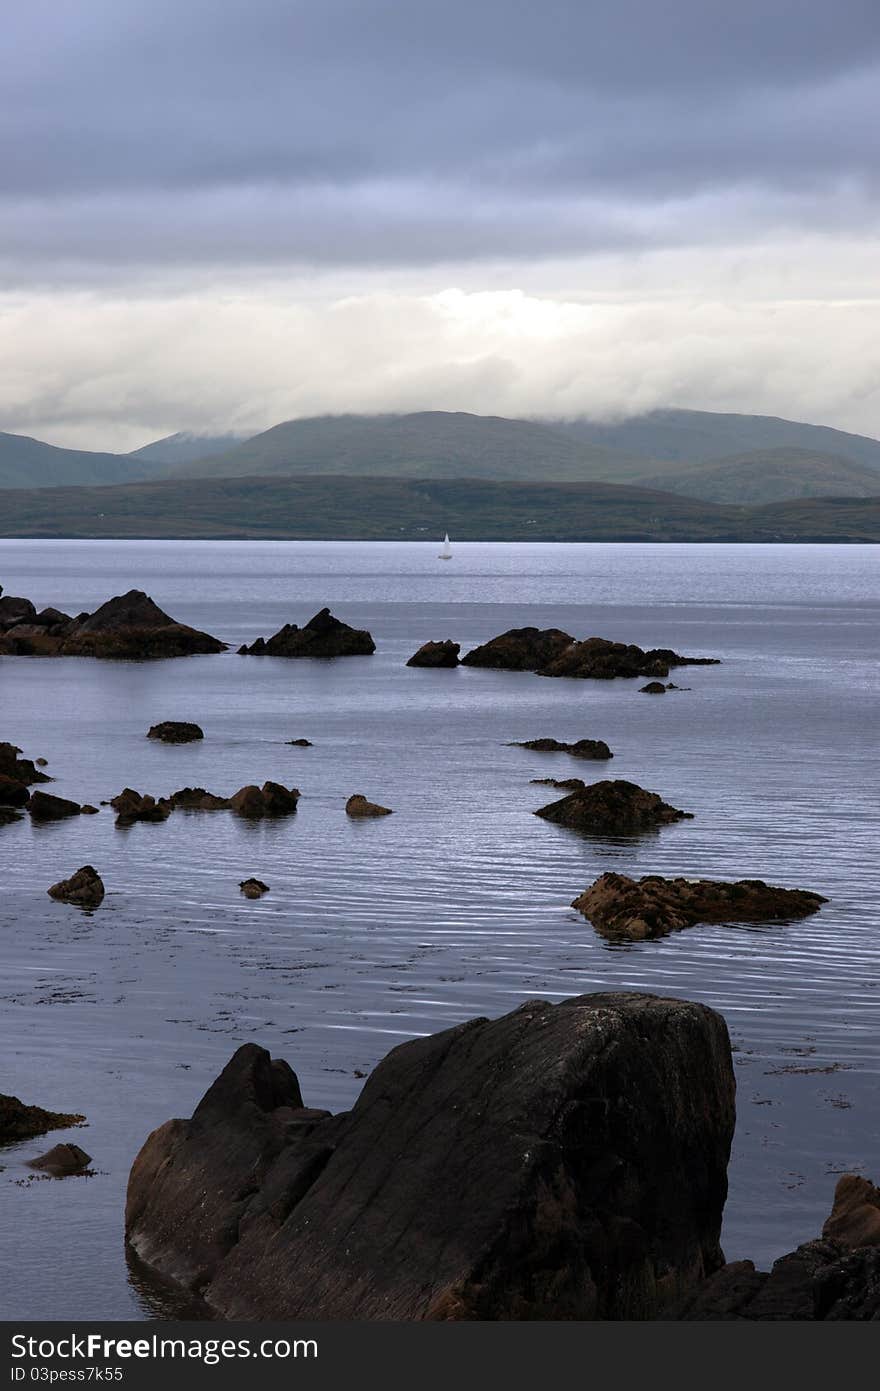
x=458 y=905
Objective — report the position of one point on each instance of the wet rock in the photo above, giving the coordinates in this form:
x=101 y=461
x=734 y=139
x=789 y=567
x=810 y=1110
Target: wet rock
x=653 y=688
x=582 y=748
x=253 y=888
x=88 y=810
x=565 y=784
x=269 y=800
x=612 y=807
x=357 y=805
x=62 y=1160
x=43 y=806
x=41 y=762
x=637 y=909
x=85 y=888
x=322 y=636
x=300 y=743
x=176 y=732
x=131 y=806
x=19 y=769
x=436 y=654
x=600 y=659
x=14 y=611
x=519 y=649
x=21 y=1122
x=130 y=626
x=564 y=1162
x=12 y=792
x=855 y=1215
x=198 y=799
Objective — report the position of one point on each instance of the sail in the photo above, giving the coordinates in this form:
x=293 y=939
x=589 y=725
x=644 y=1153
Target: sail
x=446 y=553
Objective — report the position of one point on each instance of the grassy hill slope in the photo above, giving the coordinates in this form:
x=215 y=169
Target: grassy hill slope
x=29 y=463
x=770 y=475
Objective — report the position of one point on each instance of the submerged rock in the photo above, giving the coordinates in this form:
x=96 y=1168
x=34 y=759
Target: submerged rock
x=176 y=732
x=253 y=888
x=357 y=805
x=130 y=626
x=612 y=807
x=43 y=806
x=131 y=806
x=519 y=649
x=269 y=800
x=85 y=888
x=300 y=743
x=566 y=784
x=653 y=688
x=62 y=1160
x=564 y=1162
x=436 y=654
x=582 y=748
x=21 y=1122
x=322 y=636
x=198 y=799
x=619 y=907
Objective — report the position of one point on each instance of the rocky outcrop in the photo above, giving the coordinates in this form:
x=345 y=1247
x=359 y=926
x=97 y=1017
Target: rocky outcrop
x=653 y=688
x=357 y=805
x=519 y=649
x=176 y=732
x=21 y=770
x=12 y=792
x=835 y=1277
x=322 y=636
x=253 y=888
x=62 y=1160
x=436 y=654
x=21 y=1122
x=565 y=784
x=564 y=1162
x=582 y=748
x=269 y=800
x=600 y=659
x=612 y=807
x=636 y=909
x=198 y=799
x=85 y=888
x=131 y=806
x=43 y=806
x=130 y=626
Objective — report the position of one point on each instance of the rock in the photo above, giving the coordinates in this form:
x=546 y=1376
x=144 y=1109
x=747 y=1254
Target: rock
x=62 y=1160
x=130 y=626
x=253 y=888
x=612 y=807
x=564 y=1162
x=85 y=888
x=519 y=649
x=21 y=1122
x=14 y=611
x=53 y=619
x=301 y=743
x=12 y=792
x=567 y=784
x=855 y=1216
x=653 y=688
x=44 y=807
x=41 y=762
x=322 y=636
x=175 y=732
x=197 y=799
x=87 y=810
x=600 y=659
x=132 y=806
x=269 y=800
x=19 y=769
x=357 y=805
x=619 y=907
x=436 y=654
x=583 y=748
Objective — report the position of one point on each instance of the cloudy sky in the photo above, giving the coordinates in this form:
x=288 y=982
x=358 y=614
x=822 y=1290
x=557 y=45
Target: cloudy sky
x=222 y=215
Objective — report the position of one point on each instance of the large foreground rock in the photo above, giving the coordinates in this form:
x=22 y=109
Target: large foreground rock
x=21 y=1122
x=129 y=626
x=581 y=748
x=436 y=654
x=636 y=909
x=85 y=889
x=322 y=636
x=612 y=807
x=566 y=1161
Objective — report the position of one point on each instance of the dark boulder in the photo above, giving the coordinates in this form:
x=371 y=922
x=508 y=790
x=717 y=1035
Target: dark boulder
x=62 y=1160
x=269 y=800
x=131 y=806
x=130 y=626
x=14 y=611
x=175 y=732
x=357 y=805
x=636 y=909
x=582 y=748
x=565 y=784
x=43 y=806
x=198 y=799
x=612 y=807
x=600 y=659
x=12 y=792
x=519 y=649
x=19 y=769
x=436 y=654
x=85 y=889
x=322 y=636
x=653 y=688
x=21 y=1122
x=564 y=1162
x=253 y=888
x=300 y=743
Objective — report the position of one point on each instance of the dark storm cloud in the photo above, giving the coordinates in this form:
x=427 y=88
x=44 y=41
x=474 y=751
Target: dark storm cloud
x=341 y=131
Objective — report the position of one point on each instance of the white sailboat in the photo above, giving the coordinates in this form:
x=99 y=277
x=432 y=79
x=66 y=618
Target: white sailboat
x=446 y=553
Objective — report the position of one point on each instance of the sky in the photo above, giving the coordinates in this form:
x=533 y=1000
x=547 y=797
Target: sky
x=222 y=215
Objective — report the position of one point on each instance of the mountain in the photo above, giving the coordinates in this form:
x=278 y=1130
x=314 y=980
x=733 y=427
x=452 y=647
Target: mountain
x=426 y=444
x=692 y=436
x=337 y=507
x=770 y=475
x=28 y=463
x=187 y=446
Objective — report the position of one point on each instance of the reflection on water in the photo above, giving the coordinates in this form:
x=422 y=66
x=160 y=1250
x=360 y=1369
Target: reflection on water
x=457 y=905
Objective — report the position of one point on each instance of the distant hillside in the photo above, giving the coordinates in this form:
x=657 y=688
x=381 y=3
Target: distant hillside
x=693 y=436
x=343 y=508
x=771 y=475
x=426 y=444
x=186 y=446
x=28 y=463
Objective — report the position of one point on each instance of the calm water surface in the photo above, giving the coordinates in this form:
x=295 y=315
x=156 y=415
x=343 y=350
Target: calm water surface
x=458 y=904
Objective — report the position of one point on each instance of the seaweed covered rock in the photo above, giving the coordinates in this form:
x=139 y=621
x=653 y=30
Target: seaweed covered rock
x=21 y=1122
x=253 y=888
x=18 y=769
x=582 y=748
x=198 y=799
x=269 y=800
x=436 y=654
x=131 y=806
x=563 y=1162
x=612 y=807
x=636 y=909
x=519 y=649
x=322 y=636
x=130 y=626
x=600 y=659
x=176 y=732
x=85 y=888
